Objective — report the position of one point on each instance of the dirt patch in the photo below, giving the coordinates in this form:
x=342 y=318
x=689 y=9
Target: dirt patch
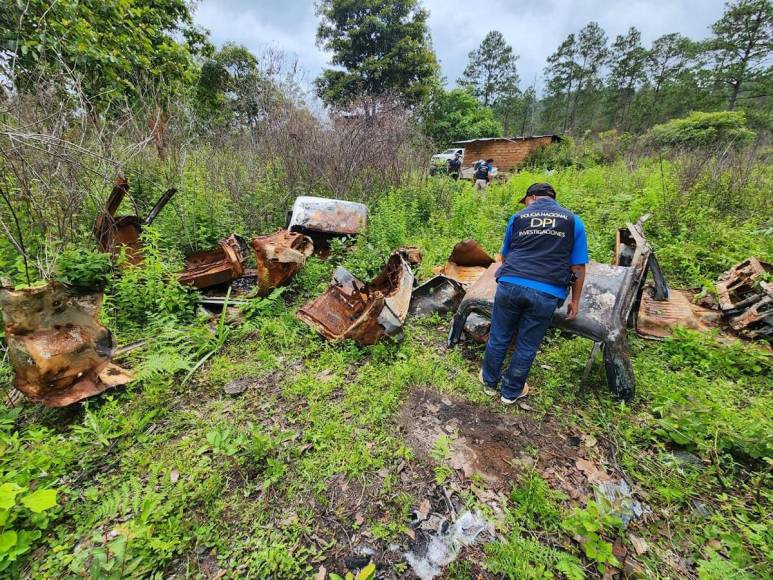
x=497 y=446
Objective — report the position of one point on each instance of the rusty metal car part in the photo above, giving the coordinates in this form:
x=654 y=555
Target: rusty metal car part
x=214 y=267
x=114 y=232
x=279 y=256
x=59 y=352
x=321 y=219
x=633 y=250
x=467 y=262
x=746 y=300
x=439 y=294
x=608 y=297
x=658 y=318
x=363 y=312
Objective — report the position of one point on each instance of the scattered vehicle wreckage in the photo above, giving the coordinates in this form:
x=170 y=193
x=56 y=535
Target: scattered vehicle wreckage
x=278 y=257
x=609 y=297
x=59 y=352
x=323 y=219
x=746 y=298
x=466 y=264
x=214 y=267
x=114 y=232
x=363 y=312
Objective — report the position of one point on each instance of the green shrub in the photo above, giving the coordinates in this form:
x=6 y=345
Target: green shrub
x=149 y=290
x=83 y=269
x=701 y=129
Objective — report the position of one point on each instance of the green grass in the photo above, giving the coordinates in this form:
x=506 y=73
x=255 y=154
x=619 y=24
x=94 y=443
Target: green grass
x=168 y=478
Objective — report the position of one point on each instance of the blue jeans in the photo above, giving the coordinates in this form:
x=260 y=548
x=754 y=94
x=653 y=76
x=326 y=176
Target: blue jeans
x=520 y=311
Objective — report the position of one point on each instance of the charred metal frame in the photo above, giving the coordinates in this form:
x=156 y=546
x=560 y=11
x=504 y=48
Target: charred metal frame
x=363 y=312
x=113 y=231
x=214 y=267
x=59 y=351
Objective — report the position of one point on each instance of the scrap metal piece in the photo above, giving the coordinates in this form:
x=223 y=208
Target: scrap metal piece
x=214 y=267
x=322 y=218
x=363 y=312
x=59 y=352
x=278 y=257
x=657 y=318
x=746 y=300
x=113 y=232
x=439 y=294
x=467 y=262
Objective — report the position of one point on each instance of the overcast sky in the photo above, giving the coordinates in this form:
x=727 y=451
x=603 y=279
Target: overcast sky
x=534 y=28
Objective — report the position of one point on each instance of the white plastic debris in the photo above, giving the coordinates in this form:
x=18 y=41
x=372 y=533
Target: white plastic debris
x=428 y=559
x=617 y=499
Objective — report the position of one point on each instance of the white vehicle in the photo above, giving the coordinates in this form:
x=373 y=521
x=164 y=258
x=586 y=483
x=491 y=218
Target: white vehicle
x=442 y=158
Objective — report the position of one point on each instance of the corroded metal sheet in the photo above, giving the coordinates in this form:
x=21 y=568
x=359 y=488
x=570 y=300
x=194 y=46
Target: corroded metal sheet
x=658 y=318
x=214 y=267
x=746 y=299
x=59 y=352
x=116 y=232
x=328 y=216
x=279 y=256
x=467 y=262
x=438 y=294
x=363 y=312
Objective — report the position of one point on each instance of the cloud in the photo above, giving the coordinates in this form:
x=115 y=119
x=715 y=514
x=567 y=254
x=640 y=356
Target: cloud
x=534 y=28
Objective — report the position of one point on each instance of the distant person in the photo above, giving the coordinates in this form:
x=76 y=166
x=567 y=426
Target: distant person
x=481 y=176
x=545 y=251
x=455 y=166
x=491 y=169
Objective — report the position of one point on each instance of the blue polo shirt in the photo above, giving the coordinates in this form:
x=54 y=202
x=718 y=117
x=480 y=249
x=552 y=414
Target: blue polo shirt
x=578 y=256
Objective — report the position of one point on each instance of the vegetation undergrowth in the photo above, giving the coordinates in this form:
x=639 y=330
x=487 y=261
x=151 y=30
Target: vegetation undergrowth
x=170 y=476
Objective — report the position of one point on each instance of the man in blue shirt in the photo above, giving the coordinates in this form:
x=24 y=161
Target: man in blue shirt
x=544 y=254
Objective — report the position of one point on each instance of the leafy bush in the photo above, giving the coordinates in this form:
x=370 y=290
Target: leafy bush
x=591 y=524
x=557 y=156
x=149 y=290
x=701 y=129
x=26 y=501
x=83 y=269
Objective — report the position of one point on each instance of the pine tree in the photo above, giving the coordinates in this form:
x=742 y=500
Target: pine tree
x=491 y=71
x=742 y=44
x=574 y=73
x=561 y=73
x=627 y=60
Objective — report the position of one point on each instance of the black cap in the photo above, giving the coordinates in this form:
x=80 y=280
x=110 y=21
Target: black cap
x=539 y=189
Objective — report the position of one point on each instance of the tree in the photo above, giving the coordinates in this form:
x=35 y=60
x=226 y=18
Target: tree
x=491 y=71
x=671 y=87
x=456 y=115
x=561 y=73
x=742 y=44
x=382 y=48
x=103 y=50
x=232 y=87
x=627 y=59
x=592 y=54
x=573 y=73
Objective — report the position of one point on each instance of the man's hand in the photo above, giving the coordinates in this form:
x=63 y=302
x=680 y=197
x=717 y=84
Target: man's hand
x=574 y=305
